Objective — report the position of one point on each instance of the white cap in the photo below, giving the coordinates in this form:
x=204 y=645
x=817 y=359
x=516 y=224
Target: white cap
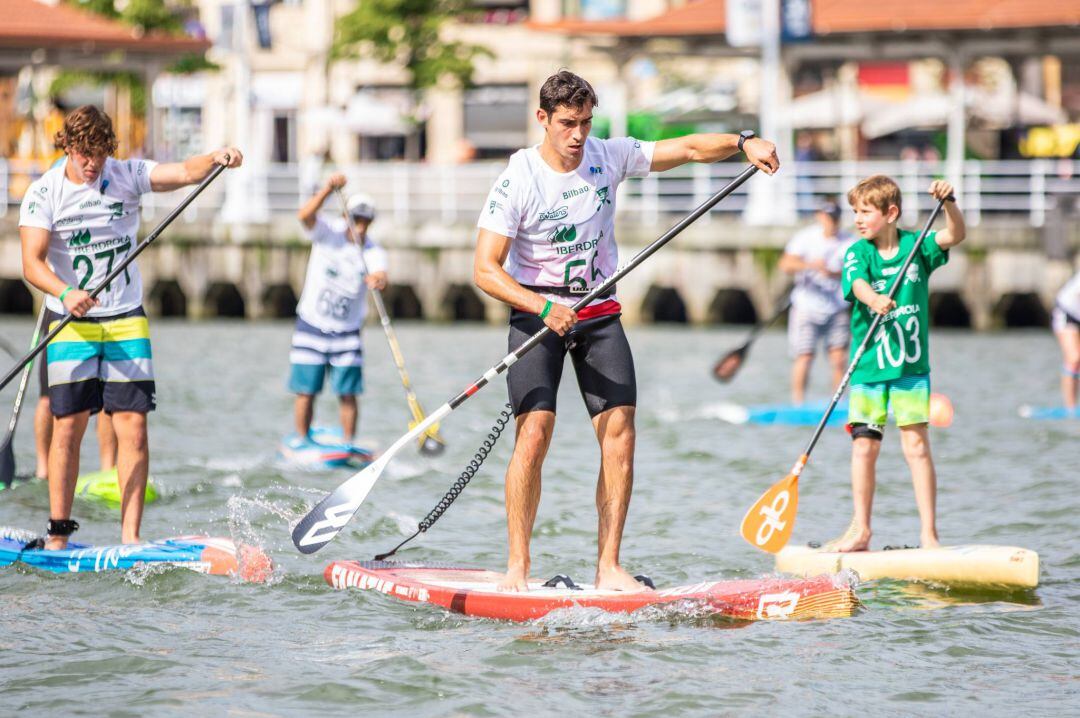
x=361 y=206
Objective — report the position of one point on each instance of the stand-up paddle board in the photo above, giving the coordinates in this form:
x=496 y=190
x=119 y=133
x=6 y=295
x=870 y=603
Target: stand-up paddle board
x=104 y=486
x=1049 y=413
x=323 y=449
x=216 y=556
x=809 y=414
x=975 y=565
x=473 y=592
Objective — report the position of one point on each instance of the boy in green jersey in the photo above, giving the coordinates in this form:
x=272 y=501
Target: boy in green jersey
x=895 y=370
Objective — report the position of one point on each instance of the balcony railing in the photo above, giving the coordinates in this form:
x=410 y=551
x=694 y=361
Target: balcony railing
x=1022 y=190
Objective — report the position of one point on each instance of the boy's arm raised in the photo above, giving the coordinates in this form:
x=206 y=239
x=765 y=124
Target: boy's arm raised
x=955 y=230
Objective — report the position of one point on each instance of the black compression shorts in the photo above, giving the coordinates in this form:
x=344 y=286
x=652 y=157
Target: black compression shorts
x=602 y=361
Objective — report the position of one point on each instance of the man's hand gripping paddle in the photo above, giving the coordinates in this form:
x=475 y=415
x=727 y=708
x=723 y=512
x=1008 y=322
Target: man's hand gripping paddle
x=430 y=441
x=330 y=515
x=769 y=522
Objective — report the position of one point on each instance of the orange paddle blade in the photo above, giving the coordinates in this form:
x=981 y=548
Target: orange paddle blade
x=768 y=523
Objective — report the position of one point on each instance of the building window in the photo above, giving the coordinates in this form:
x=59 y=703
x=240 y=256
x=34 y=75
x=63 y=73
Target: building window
x=284 y=147
x=496 y=119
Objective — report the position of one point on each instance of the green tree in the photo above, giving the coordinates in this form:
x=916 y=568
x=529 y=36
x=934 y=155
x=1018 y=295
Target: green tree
x=409 y=33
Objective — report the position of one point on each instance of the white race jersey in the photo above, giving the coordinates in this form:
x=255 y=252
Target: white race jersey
x=334 y=296
x=92 y=227
x=817 y=293
x=562 y=224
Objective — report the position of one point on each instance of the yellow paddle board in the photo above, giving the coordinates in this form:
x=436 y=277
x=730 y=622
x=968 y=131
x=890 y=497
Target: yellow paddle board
x=972 y=565
x=104 y=486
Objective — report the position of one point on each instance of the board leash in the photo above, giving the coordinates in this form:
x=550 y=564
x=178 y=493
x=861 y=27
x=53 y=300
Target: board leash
x=460 y=483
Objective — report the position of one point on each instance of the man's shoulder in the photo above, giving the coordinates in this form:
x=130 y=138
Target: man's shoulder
x=47 y=183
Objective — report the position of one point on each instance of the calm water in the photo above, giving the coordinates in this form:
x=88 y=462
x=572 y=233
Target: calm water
x=178 y=643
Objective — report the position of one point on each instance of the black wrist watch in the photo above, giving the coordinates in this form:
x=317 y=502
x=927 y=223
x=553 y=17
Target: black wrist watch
x=744 y=136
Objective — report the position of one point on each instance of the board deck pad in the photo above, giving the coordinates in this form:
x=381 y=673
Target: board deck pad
x=473 y=592
x=970 y=565
x=205 y=554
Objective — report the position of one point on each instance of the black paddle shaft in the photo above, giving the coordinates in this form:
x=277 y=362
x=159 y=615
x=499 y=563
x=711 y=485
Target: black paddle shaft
x=218 y=169
x=874 y=325
x=608 y=283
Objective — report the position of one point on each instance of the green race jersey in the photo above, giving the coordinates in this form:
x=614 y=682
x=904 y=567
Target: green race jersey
x=900 y=346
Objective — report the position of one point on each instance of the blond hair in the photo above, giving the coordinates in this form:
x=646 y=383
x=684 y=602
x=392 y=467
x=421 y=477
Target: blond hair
x=877 y=191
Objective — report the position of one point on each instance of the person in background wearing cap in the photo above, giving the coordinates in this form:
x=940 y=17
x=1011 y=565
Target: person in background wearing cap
x=332 y=308
x=815 y=256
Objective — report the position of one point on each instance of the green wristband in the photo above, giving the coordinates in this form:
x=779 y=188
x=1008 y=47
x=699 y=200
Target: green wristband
x=65 y=293
x=547 y=308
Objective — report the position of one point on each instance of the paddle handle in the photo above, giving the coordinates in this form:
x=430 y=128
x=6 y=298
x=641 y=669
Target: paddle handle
x=900 y=276
x=117 y=271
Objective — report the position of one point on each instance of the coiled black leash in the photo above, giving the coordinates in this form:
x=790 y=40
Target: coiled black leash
x=462 y=481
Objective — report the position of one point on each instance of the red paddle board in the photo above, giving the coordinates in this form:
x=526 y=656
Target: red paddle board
x=473 y=592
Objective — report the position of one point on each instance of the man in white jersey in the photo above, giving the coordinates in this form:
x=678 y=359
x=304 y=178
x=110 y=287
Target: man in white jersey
x=1065 y=321
x=77 y=221
x=546 y=237
x=819 y=313
x=332 y=308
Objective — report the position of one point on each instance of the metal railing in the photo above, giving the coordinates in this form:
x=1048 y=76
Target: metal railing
x=420 y=193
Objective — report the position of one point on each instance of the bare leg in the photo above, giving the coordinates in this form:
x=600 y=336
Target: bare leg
x=523 y=493
x=348 y=412
x=838 y=360
x=916 y=444
x=864 y=454
x=43 y=431
x=303 y=409
x=615 y=432
x=1069 y=339
x=133 y=464
x=800 y=371
x=106 y=437
x=67 y=437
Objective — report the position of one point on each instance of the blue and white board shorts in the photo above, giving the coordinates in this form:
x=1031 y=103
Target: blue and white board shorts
x=97 y=363
x=807 y=329
x=313 y=350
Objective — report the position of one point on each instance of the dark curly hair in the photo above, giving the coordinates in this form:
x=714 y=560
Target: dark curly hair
x=88 y=131
x=567 y=89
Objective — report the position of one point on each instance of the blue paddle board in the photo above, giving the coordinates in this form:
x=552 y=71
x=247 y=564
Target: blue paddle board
x=1049 y=413
x=324 y=449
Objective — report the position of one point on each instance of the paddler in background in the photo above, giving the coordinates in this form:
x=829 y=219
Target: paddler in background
x=546 y=237
x=895 y=371
x=331 y=310
x=43 y=421
x=76 y=221
x=1065 y=321
x=818 y=313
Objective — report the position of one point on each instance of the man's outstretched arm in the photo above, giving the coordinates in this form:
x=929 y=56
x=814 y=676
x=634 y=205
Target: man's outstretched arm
x=713 y=147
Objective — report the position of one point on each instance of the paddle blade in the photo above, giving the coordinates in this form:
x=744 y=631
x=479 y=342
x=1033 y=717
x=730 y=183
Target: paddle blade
x=725 y=369
x=7 y=463
x=769 y=522
x=941 y=411
x=323 y=523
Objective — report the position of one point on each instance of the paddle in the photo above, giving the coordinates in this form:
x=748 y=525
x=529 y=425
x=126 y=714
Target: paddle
x=116 y=272
x=330 y=515
x=7 y=453
x=430 y=442
x=728 y=365
x=769 y=522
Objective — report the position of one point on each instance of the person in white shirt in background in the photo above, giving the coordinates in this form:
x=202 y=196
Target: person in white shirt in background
x=818 y=311
x=332 y=309
x=1065 y=321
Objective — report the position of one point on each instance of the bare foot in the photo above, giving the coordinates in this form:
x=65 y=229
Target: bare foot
x=515 y=580
x=854 y=539
x=615 y=578
x=136 y=539
x=929 y=541
x=56 y=543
